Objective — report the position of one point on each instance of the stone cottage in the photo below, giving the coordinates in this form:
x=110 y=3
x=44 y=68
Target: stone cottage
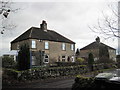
x=95 y=48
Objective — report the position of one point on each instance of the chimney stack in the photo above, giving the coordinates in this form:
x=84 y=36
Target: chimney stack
x=98 y=39
x=43 y=26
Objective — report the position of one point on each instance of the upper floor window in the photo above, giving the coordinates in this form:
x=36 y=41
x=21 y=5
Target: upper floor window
x=33 y=44
x=72 y=47
x=46 y=45
x=63 y=46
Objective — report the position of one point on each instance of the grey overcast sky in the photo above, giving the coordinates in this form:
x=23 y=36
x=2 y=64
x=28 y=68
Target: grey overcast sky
x=70 y=18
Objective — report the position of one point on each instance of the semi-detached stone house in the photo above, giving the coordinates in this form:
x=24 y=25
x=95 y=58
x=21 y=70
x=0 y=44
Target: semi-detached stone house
x=46 y=46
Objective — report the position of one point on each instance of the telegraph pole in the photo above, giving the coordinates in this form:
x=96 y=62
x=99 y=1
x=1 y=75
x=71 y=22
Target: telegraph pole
x=119 y=28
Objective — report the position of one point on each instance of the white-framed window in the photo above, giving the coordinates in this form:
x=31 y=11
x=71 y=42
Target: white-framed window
x=33 y=44
x=72 y=47
x=33 y=60
x=72 y=59
x=63 y=58
x=46 y=58
x=46 y=45
x=63 y=46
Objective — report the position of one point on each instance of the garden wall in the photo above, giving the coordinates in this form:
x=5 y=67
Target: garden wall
x=48 y=72
x=42 y=73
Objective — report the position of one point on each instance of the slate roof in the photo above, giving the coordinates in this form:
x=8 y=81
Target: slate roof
x=95 y=45
x=38 y=33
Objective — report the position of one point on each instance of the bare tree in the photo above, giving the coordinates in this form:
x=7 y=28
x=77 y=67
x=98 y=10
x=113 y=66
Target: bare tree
x=108 y=25
x=5 y=9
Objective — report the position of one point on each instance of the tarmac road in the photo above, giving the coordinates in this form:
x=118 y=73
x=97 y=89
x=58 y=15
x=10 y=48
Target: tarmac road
x=52 y=83
x=65 y=83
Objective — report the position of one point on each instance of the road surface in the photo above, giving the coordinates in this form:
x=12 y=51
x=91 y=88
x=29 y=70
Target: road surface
x=52 y=83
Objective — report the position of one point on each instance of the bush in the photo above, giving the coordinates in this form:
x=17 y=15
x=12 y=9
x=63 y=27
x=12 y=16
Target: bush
x=67 y=64
x=83 y=82
x=8 y=62
x=24 y=57
x=118 y=60
x=90 y=61
x=80 y=60
x=105 y=60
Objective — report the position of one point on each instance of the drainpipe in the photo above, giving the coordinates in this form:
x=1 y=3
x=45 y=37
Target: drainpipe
x=30 y=59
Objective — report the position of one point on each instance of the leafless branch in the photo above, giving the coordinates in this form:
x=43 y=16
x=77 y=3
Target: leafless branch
x=6 y=8
x=108 y=26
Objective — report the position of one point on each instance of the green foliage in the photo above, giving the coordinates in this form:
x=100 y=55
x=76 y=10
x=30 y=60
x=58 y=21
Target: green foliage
x=104 y=55
x=118 y=60
x=103 y=52
x=24 y=57
x=90 y=61
x=104 y=60
x=80 y=60
x=77 y=52
x=64 y=64
x=8 y=62
x=83 y=82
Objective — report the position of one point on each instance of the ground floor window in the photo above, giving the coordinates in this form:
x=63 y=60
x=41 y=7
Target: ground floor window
x=63 y=58
x=46 y=59
x=72 y=59
x=33 y=60
x=95 y=59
